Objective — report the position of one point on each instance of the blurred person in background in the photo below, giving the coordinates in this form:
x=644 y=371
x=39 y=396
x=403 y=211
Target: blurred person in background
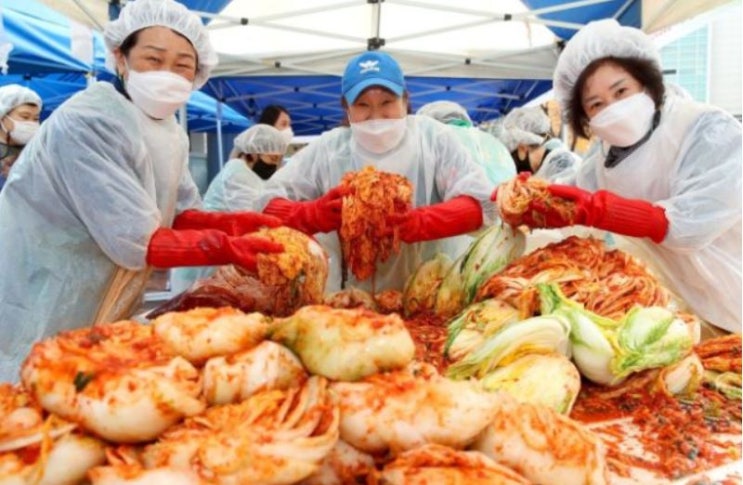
x=450 y=190
x=255 y=157
x=536 y=150
x=667 y=170
x=20 y=108
x=102 y=196
x=485 y=149
x=277 y=116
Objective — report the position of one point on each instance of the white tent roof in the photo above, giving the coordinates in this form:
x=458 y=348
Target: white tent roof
x=263 y=44
x=432 y=38
x=467 y=38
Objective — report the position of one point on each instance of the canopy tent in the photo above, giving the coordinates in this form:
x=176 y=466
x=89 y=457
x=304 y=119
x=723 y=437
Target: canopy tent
x=488 y=56
x=57 y=57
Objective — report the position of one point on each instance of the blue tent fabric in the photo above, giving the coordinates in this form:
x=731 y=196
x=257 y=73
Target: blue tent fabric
x=629 y=13
x=211 y=6
x=41 y=40
x=53 y=88
x=315 y=101
x=202 y=115
x=56 y=88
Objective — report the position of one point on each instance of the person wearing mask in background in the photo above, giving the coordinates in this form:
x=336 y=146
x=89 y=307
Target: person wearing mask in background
x=255 y=157
x=485 y=149
x=20 y=108
x=450 y=190
x=544 y=156
x=104 y=195
x=668 y=169
x=278 y=117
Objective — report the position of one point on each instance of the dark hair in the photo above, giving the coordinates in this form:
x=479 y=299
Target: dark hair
x=131 y=40
x=271 y=113
x=645 y=71
x=129 y=43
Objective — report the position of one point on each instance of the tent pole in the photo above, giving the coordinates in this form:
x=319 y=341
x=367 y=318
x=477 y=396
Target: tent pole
x=183 y=117
x=220 y=149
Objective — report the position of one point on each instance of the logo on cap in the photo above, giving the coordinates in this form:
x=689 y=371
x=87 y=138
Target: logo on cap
x=368 y=66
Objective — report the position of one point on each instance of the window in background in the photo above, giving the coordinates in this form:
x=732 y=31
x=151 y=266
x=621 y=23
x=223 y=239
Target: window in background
x=687 y=61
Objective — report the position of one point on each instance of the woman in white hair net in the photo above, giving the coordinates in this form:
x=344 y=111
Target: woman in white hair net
x=668 y=171
x=20 y=108
x=485 y=149
x=256 y=155
x=103 y=194
x=536 y=150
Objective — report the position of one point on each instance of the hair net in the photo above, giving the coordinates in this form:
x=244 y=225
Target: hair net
x=519 y=136
x=261 y=139
x=167 y=13
x=498 y=130
x=446 y=112
x=14 y=95
x=597 y=40
x=532 y=119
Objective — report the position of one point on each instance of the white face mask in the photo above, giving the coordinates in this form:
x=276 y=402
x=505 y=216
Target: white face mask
x=23 y=131
x=379 y=136
x=625 y=122
x=158 y=93
x=288 y=134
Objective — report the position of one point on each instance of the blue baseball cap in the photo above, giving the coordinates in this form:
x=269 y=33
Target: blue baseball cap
x=372 y=68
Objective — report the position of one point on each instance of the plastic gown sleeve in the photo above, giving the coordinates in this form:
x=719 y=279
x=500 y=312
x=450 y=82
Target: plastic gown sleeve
x=558 y=167
x=706 y=186
x=458 y=174
x=188 y=192
x=99 y=170
x=237 y=188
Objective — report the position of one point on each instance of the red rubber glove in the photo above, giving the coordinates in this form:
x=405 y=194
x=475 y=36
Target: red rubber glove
x=233 y=223
x=319 y=215
x=451 y=218
x=606 y=210
x=169 y=248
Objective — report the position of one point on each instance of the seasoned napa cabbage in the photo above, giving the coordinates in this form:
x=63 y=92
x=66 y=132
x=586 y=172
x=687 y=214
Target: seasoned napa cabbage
x=343 y=344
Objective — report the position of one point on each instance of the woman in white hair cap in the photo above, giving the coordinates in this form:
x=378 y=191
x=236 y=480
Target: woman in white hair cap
x=256 y=155
x=20 y=108
x=668 y=170
x=485 y=148
x=104 y=193
x=536 y=150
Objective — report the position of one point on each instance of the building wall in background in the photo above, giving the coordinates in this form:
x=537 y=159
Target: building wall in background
x=707 y=60
x=686 y=62
x=726 y=62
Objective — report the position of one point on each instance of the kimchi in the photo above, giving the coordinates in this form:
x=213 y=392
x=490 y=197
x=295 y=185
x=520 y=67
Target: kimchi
x=366 y=236
x=516 y=196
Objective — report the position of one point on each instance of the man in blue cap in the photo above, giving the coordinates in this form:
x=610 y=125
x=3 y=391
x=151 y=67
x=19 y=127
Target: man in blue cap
x=451 y=191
